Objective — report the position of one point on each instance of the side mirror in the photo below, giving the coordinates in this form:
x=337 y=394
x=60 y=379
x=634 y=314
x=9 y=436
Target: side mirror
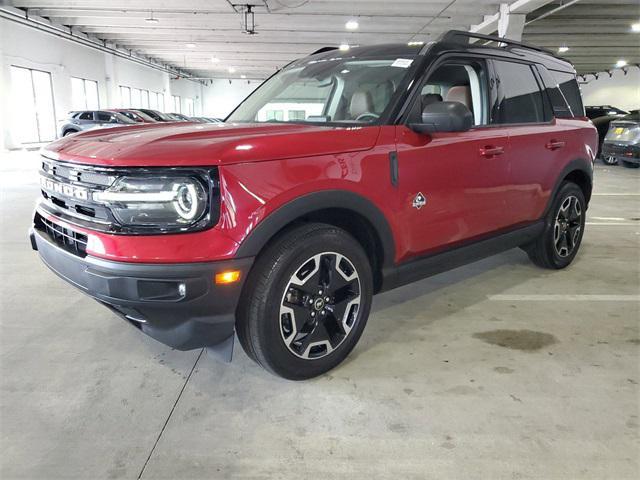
x=444 y=117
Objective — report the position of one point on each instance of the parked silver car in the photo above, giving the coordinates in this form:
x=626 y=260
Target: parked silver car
x=80 y=121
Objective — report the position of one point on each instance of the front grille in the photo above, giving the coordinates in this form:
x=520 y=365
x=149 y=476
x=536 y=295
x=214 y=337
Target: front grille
x=65 y=238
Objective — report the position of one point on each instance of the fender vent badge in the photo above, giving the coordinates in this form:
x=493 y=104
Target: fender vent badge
x=419 y=201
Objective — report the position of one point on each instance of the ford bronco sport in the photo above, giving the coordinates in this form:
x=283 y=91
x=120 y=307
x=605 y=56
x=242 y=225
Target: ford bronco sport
x=344 y=175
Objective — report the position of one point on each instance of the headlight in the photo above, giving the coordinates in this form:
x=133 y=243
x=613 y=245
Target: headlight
x=161 y=202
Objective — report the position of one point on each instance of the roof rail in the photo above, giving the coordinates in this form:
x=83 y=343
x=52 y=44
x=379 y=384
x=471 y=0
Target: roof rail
x=456 y=36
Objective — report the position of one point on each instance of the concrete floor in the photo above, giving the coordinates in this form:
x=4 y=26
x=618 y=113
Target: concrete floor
x=495 y=370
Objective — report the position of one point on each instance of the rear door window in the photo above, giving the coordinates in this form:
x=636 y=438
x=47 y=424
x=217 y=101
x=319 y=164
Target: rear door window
x=85 y=116
x=520 y=99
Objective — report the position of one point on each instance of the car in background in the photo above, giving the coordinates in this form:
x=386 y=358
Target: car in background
x=82 y=120
x=156 y=115
x=596 y=111
x=135 y=115
x=204 y=120
x=622 y=142
x=180 y=117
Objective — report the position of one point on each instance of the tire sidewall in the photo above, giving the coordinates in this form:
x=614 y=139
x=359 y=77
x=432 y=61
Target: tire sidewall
x=280 y=359
x=566 y=190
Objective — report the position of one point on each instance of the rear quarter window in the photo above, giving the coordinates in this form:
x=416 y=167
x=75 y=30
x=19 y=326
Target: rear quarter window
x=571 y=91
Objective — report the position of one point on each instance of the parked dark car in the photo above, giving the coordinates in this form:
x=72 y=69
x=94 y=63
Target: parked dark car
x=282 y=231
x=595 y=111
x=89 y=119
x=135 y=115
x=156 y=115
x=602 y=125
x=622 y=142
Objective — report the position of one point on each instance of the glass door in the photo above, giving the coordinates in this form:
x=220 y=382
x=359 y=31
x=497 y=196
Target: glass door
x=33 y=108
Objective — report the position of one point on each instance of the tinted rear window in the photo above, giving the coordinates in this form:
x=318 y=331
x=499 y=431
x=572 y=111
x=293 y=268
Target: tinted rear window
x=521 y=100
x=571 y=91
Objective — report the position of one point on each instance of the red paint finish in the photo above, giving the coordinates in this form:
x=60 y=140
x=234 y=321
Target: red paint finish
x=475 y=182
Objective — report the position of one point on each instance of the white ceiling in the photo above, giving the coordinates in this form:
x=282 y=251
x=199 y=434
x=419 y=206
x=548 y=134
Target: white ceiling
x=597 y=31
x=288 y=29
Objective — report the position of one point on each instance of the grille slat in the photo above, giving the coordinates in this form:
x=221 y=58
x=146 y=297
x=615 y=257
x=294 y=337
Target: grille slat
x=70 y=240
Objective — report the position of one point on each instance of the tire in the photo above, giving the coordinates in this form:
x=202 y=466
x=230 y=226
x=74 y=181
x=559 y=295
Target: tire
x=630 y=164
x=609 y=160
x=560 y=241
x=284 y=286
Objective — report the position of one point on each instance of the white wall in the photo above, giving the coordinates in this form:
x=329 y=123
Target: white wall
x=222 y=97
x=23 y=46
x=622 y=91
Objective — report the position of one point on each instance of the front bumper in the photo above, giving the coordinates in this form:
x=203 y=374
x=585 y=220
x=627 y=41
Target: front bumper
x=177 y=304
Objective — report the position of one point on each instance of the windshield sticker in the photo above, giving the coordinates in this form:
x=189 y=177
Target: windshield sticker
x=402 y=63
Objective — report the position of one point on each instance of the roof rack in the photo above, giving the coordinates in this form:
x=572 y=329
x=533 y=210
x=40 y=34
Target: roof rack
x=455 y=36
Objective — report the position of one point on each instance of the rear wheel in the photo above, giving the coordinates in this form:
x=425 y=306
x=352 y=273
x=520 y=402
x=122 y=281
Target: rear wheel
x=558 y=244
x=308 y=299
x=631 y=164
x=609 y=160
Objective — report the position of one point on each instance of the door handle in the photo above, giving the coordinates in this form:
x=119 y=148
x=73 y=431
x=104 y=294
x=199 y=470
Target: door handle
x=491 y=151
x=554 y=145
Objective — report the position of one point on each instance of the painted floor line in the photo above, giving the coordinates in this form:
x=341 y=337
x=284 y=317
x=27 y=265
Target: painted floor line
x=615 y=194
x=613 y=224
x=564 y=298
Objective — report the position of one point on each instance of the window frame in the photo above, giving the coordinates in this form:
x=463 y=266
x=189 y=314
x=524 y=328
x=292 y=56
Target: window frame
x=546 y=102
x=408 y=112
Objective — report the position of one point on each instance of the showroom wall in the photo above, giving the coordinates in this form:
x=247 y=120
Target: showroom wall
x=619 y=90
x=25 y=47
x=224 y=95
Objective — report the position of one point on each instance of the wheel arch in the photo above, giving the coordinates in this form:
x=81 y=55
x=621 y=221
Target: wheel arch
x=578 y=171
x=343 y=209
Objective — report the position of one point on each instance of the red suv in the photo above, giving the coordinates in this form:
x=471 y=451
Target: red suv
x=344 y=175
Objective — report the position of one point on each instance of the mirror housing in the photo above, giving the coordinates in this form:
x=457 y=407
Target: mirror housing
x=444 y=117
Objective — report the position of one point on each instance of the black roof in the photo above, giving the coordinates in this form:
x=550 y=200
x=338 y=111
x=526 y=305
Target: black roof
x=454 y=40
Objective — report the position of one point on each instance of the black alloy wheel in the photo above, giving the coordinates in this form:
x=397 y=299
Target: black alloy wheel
x=568 y=226
x=320 y=304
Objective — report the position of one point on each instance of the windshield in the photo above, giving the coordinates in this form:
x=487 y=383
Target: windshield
x=336 y=90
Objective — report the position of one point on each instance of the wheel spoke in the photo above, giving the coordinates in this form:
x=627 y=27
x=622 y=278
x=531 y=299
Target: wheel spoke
x=317 y=336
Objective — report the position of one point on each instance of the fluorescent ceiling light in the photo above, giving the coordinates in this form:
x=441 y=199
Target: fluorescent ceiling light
x=635 y=27
x=151 y=19
x=232 y=70
x=190 y=45
x=215 y=59
x=243 y=76
x=621 y=63
x=352 y=25
x=563 y=49
x=344 y=47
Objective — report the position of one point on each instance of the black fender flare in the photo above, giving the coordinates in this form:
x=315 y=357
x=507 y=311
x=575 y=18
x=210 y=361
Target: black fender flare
x=314 y=202
x=581 y=165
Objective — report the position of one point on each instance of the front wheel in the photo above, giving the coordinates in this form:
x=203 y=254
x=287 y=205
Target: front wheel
x=560 y=240
x=307 y=301
x=609 y=160
x=631 y=164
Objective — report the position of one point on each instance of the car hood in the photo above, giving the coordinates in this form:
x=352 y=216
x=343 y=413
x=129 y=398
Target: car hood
x=190 y=144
